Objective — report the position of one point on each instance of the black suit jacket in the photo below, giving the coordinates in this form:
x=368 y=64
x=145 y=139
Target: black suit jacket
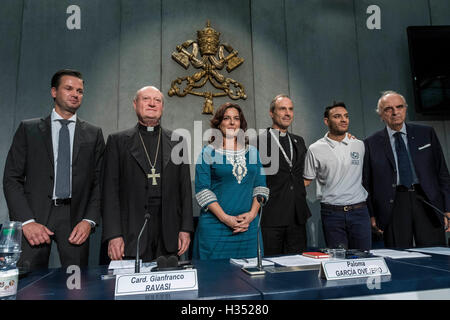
x=29 y=172
x=126 y=193
x=287 y=202
x=380 y=177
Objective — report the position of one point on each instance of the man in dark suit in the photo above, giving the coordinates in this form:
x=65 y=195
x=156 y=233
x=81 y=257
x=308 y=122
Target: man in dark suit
x=406 y=176
x=141 y=176
x=51 y=179
x=283 y=157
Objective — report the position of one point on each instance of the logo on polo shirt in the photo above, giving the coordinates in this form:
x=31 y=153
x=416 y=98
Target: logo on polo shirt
x=355 y=157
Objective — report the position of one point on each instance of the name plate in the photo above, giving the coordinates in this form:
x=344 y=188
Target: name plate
x=155 y=282
x=353 y=268
x=8 y=282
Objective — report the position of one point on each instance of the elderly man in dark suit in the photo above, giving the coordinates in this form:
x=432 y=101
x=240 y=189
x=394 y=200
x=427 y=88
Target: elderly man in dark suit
x=407 y=179
x=51 y=179
x=283 y=157
x=141 y=176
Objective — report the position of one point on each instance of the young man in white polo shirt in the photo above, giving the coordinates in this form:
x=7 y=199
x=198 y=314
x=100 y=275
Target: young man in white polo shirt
x=336 y=161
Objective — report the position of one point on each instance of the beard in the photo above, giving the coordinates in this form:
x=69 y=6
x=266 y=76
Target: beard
x=72 y=110
x=335 y=130
x=67 y=107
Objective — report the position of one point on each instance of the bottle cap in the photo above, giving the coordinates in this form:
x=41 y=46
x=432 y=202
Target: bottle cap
x=9 y=231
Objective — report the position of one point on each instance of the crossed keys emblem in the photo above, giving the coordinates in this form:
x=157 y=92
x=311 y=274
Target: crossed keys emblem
x=209 y=63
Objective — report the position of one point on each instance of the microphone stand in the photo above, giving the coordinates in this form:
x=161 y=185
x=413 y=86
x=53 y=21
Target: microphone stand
x=137 y=266
x=259 y=256
x=430 y=205
x=258 y=270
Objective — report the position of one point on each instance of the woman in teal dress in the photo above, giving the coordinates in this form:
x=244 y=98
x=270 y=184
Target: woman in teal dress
x=228 y=179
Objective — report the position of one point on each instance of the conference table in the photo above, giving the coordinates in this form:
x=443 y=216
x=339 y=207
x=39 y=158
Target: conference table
x=216 y=280
x=405 y=277
x=412 y=278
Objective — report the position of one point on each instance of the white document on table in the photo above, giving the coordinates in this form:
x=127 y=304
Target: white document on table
x=122 y=264
x=252 y=262
x=296 y=261
x=433 y=250
x=397 y=254
x=128 y=266
x=145 y=268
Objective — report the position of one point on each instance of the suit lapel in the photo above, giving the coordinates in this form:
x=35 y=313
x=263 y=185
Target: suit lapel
x=412 y=146
x=295 y=149
x=388 y=148
x=45 y=127
x=166 y=147
x=137 y=151
x=78 y=139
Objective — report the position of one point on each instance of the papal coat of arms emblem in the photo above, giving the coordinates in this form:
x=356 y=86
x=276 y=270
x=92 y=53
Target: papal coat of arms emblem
x=212 y=58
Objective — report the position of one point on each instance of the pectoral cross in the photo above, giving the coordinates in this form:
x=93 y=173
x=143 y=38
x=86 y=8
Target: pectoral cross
x=153 y=176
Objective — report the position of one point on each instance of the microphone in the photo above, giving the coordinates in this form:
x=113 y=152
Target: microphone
x=258 y=270
x=161 y=262
x=172 y=262
x=430 y=205
x=137 y=266
x=167 y=264
x=261 y=200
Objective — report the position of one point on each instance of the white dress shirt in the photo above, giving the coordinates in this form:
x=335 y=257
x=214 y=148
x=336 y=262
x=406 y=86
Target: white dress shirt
x=55 y=127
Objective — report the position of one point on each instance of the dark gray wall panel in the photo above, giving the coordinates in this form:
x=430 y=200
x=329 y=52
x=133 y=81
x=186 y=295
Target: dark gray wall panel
x=323 y=63
x=10 y=29
x=271 y=74
x=140 y=54
x=440 y=15
x=439 y=10
x=47 y=45
x=323 y=67
x=181 y=20
x=383 y=54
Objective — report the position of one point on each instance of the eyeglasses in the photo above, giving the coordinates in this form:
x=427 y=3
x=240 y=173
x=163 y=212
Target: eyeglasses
x=390 y=109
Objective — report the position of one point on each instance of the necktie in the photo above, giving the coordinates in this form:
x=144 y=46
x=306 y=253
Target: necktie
x=62 y=189
x=404 y=166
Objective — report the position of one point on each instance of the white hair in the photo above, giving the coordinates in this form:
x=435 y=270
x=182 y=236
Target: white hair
x=384 y=94
x=146 y=87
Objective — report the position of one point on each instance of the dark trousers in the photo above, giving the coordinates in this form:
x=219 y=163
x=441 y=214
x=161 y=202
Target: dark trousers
x=284 y=240
x=154 y=247
x=348 y=229
x=37 y=257
x=413 y=219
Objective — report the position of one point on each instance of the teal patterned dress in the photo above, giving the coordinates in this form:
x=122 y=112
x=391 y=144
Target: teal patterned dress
x=233 y=179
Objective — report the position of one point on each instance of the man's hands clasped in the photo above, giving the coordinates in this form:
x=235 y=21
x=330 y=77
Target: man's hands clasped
x=37 y=234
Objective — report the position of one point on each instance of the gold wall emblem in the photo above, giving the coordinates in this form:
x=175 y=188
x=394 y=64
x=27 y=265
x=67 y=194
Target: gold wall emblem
x=208 y=63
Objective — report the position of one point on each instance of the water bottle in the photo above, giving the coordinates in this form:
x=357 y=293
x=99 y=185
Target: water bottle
x=10 y=249
x=10 y=244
